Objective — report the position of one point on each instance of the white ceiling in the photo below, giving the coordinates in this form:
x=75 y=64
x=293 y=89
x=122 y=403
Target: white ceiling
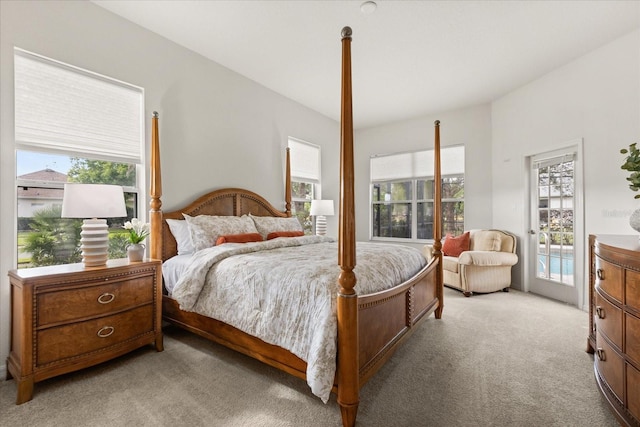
x=410 y=58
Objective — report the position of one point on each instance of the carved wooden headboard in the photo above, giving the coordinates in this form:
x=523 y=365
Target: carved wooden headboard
x=227 y=202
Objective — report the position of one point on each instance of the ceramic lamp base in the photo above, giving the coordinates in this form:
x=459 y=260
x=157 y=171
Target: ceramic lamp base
x=634 y=220
x=94 y=242
x=321 y=225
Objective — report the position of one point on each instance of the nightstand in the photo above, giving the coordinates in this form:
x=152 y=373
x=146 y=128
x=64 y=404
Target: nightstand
x=68 y=317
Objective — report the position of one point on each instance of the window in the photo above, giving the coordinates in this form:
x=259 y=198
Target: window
x=71 y=125
x=305 y=180
x=402 y=194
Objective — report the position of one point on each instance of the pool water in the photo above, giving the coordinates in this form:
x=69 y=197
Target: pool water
x=554 y=265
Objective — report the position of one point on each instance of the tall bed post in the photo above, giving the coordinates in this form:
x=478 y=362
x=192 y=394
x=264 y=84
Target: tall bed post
x=155 y=205
x=437 y=218
x=347 y=299
x=287 y=184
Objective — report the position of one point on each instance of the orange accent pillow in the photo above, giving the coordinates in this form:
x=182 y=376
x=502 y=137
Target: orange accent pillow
x=275 y=234
x=454 y=246
x=239 y=238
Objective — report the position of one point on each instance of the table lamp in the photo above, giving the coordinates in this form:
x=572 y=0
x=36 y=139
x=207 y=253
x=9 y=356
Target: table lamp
x=90 y=202
x=320 y=209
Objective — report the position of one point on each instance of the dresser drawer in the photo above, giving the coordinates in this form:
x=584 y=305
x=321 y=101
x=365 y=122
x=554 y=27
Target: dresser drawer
x=608 y=319
x=88 y=301
x=632 y=339
x=633 y=289
x=57 y=343
x=609 y=278
x=610 y=365
x=633 y=391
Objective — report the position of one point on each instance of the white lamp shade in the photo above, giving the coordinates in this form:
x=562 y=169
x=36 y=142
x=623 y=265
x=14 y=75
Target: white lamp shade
x=93 y=201
x=321 y=207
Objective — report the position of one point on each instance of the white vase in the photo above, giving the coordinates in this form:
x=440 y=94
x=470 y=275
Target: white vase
x=634 y=220
x=135 y=252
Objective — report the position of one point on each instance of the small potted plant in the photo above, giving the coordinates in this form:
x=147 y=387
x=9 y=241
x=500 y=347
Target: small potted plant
x=138 y=231
x=632 y=164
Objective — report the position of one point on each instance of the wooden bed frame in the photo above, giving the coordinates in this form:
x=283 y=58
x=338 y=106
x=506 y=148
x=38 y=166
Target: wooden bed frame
x=370 y=327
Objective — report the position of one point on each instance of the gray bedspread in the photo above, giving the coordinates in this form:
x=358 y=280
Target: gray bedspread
x=283 y=291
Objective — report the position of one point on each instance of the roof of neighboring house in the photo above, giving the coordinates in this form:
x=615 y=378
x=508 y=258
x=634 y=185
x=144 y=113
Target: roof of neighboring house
x=45 y=175
x=42 y=193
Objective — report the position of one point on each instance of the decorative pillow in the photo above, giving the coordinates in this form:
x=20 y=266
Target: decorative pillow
x=180 y=230
x=269 y=224
x=239 y=238
x=454 y=246
x=205 y=229
x=486 y=240
x=275 y=234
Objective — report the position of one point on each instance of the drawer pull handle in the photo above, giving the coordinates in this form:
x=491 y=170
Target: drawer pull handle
x=600 y=273
x=105 y=331
x=106 y=298
x=601 y=356
x=600 y=312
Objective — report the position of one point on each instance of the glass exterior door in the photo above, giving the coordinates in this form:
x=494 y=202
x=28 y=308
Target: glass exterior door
x=552 y=249
x=555 y=221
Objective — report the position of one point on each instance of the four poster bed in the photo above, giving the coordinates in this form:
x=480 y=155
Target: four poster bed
x=364 y=328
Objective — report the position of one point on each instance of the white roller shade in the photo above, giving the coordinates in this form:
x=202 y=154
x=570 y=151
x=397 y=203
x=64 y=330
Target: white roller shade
x=539 y=163
x=62 y=108
x=418 y=164
x=305 y=161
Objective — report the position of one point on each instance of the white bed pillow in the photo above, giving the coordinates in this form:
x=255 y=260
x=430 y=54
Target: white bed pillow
x=270 y=224
x=205 y=229
x=180 y=230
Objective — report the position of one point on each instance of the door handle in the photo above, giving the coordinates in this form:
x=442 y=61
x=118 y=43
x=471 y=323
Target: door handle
x=532 y=232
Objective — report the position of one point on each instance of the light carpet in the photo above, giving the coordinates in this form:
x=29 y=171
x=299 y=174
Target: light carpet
x=501 y=359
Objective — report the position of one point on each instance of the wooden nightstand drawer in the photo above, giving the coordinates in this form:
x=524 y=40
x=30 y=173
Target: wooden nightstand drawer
x=611 y=365
x=93 y=300
x=75 y=339
x=608 y=320
x=609 y=278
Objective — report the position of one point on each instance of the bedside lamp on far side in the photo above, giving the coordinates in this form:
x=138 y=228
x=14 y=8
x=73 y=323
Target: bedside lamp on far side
x=321 y=209
x=90 y=202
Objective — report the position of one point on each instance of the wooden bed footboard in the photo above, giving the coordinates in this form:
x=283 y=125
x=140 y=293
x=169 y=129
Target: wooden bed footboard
x=387 y=318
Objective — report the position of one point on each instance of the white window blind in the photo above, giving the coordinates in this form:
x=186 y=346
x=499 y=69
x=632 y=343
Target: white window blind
x=418 y=164
x=59 y=107
x=539 y=163
x=305 y=161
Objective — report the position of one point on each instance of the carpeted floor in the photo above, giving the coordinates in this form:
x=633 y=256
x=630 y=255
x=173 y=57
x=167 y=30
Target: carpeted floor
x=502 y=359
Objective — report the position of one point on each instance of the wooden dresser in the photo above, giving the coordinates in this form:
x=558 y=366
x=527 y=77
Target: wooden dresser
x=614 y=322
x=69 y=317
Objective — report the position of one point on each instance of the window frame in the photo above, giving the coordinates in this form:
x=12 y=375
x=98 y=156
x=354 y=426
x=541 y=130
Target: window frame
x=414 y=202
x=295 y=200
x=313 y=178
x=131 y=154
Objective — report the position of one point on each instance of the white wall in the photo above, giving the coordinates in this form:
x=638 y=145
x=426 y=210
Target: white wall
x=597 y=98
x=217 y=128
x=214 y=124
x=470 y=127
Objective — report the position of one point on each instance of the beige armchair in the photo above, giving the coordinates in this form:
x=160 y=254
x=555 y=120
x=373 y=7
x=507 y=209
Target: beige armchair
x=485 y=267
